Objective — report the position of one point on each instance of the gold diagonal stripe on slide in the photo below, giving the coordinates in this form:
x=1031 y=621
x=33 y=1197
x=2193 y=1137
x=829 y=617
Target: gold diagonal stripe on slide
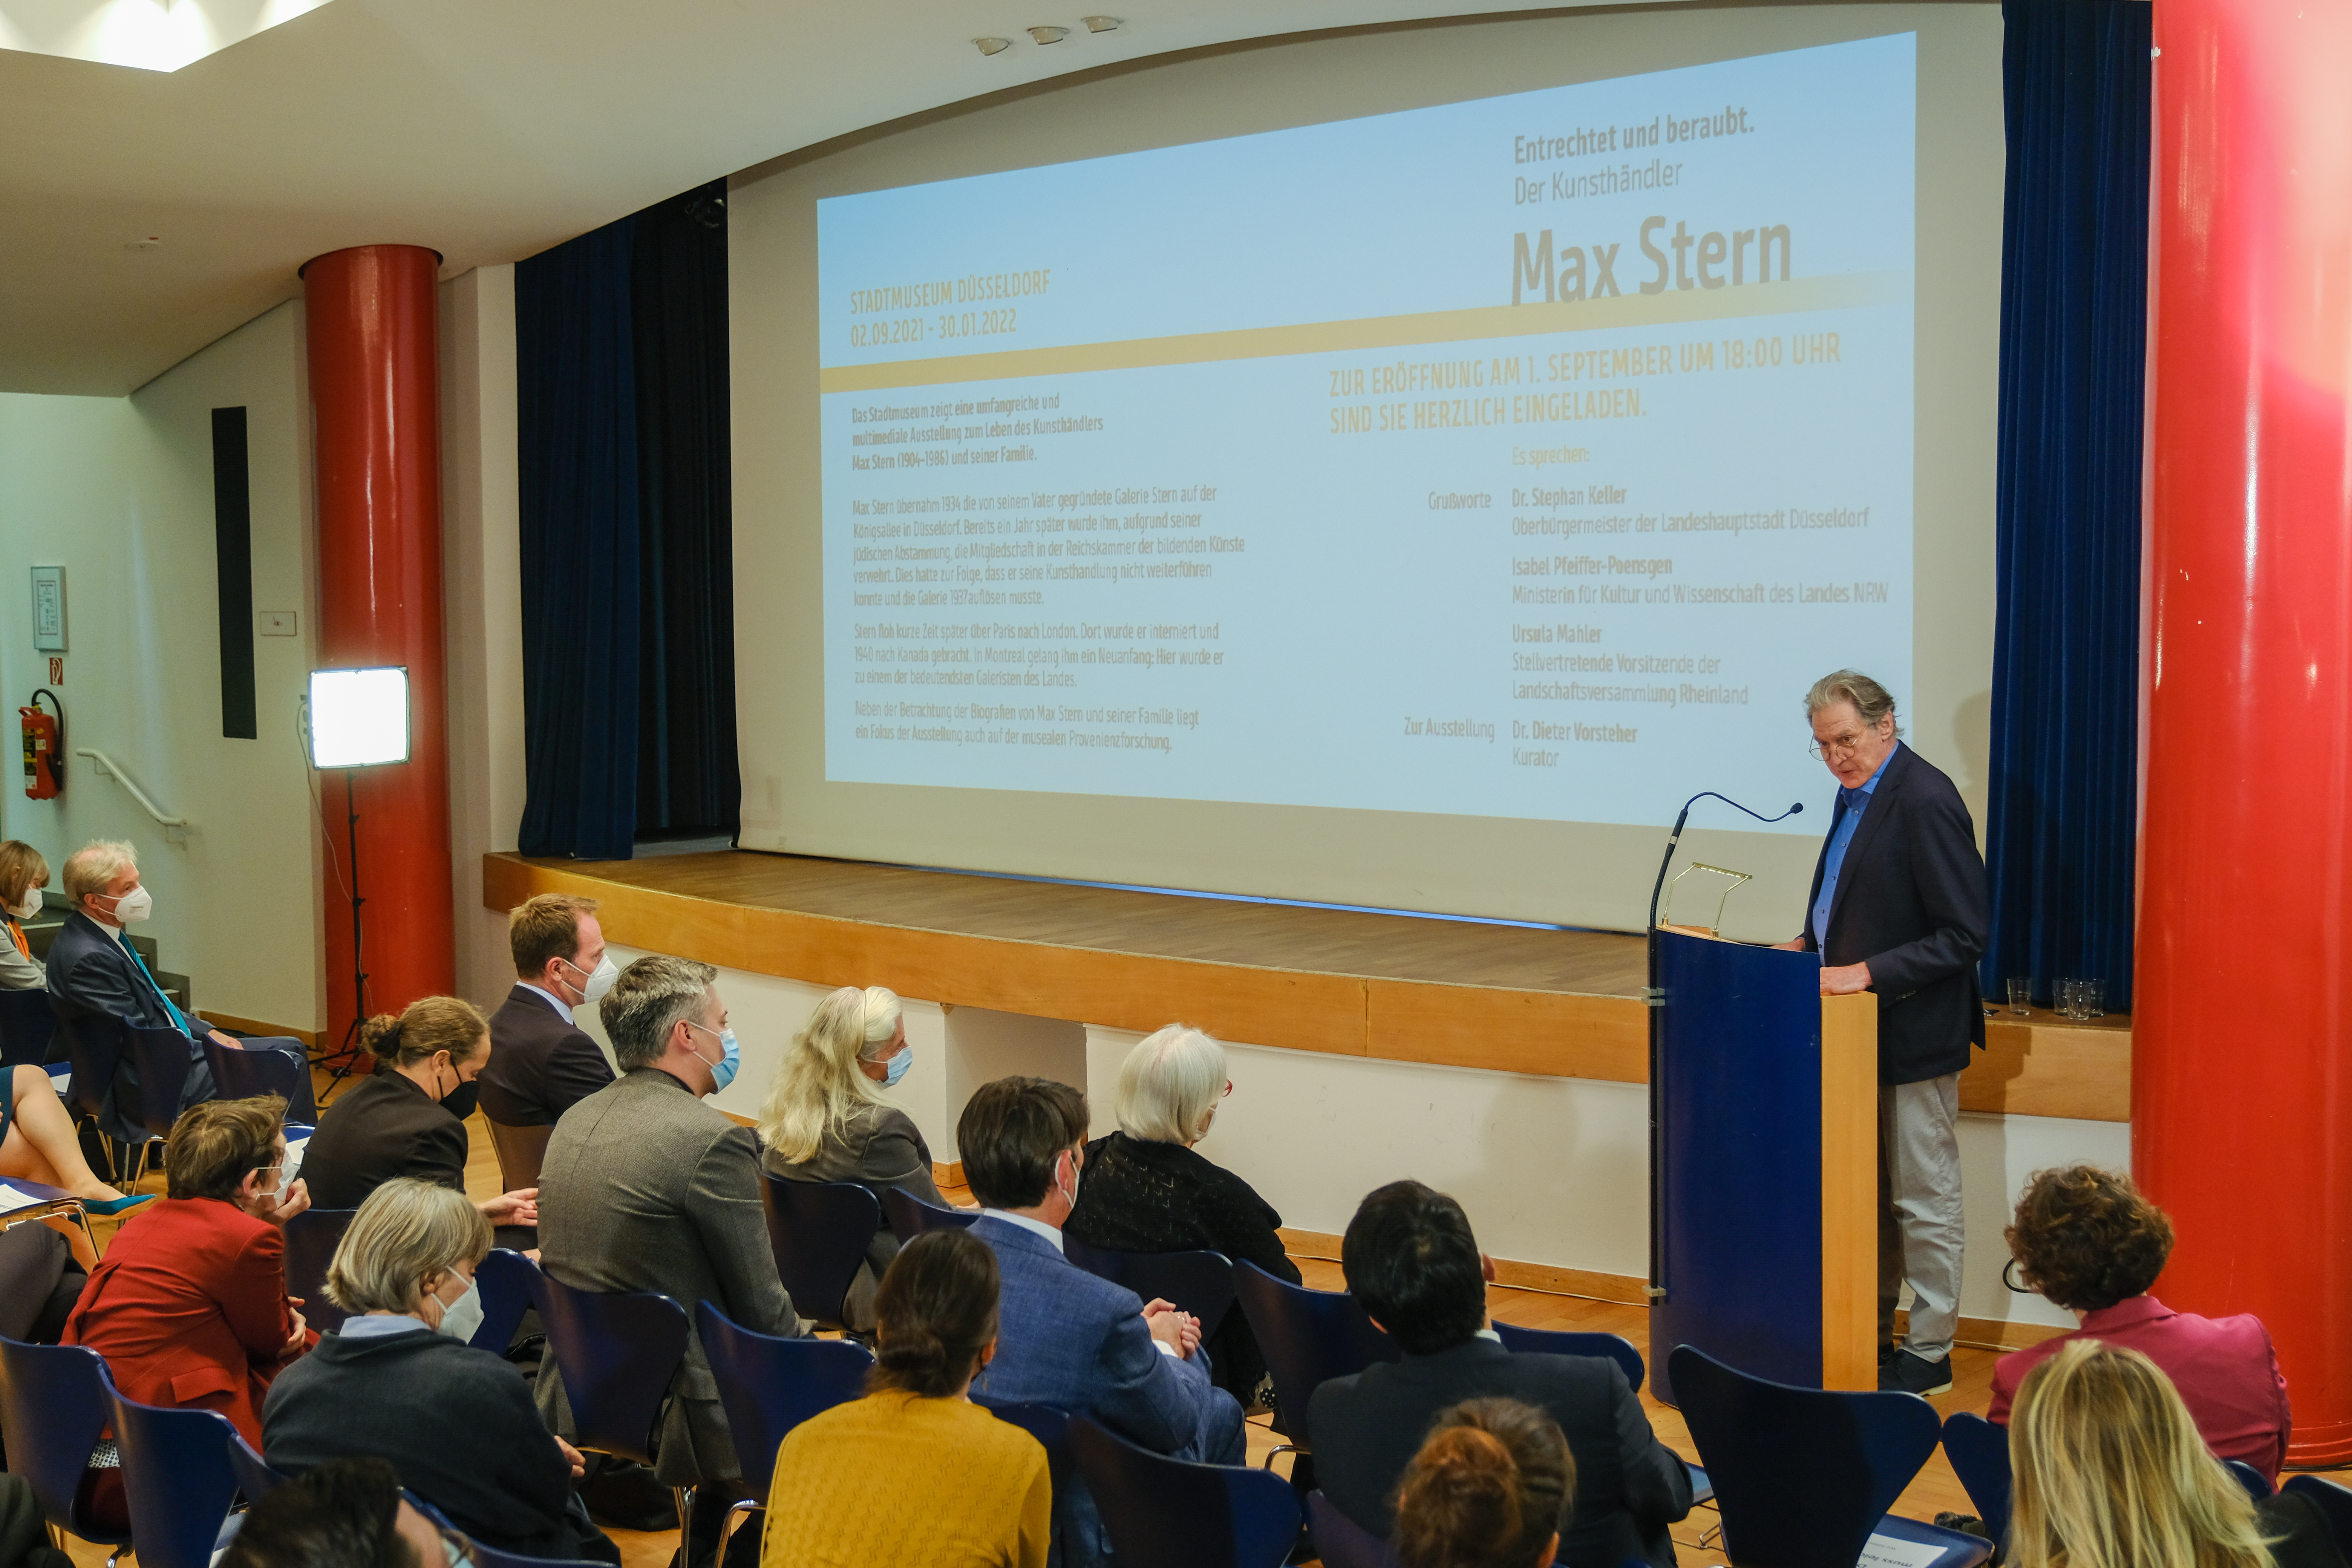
x=1843 y=289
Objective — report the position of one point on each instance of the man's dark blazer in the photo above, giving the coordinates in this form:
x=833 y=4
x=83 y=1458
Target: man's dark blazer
x=380 y=1128
x=93 y=976
x=1628 y=1486
x=542 y=1065
x=1911 y=903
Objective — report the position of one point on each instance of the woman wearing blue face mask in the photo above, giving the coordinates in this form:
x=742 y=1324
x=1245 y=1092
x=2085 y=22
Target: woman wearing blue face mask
x=398 y=1380
x=827 y=1120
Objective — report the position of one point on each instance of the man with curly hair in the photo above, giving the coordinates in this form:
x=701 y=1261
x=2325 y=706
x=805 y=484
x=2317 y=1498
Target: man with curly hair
x=2084 y=1239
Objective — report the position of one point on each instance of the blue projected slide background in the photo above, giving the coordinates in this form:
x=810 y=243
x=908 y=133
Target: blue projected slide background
x=1518 y=457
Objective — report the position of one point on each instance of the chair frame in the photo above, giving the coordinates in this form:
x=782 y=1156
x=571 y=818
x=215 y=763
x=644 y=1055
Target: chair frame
x=1108 y=1462
x=787 y=1204
x=732 y=1349
x=1269 y=1304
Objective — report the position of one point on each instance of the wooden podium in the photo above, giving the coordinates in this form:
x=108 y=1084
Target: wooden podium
x=1763 y=1166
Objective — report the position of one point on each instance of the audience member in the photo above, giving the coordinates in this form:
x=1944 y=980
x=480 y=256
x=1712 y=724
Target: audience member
x=1414 y=1266
x=1066 y=1337
x=349 y=1514
x=94 y=973
x=399 y=1380
x=1488 y=1490
x=826 y=1120
x=647 y=1188
x=189 y=1306
x=544 y=1064
x=914 y=1472
x=37 y=1143
x=1147 y=1191
x=41 y=1278
x=409 y=1118
x=22 y=874
x=2109 y=1471
x=2086 y=1240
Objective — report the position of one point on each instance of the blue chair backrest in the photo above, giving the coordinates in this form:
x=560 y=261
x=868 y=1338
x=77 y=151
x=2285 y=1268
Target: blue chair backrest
x=1340 y=1541
x=510 y=1285
x=2334 y=1499
x=2257 y=1485
x=909 y=1216
x=239 y=1074
x=177 y=1478
x=768 y=1385
x=256 y=1477
x=1561 y=1342
x=819 y=1232
x=161 y=1057
x=1979 y=1451
x=311 y=1237
x=491 y=1557
x=1048 y=1425
x=1171 y=1513
x=1201 y=1283
x=25 y=1026
x=1307 y=1337
x=54 y=1400
x=1801 y=1475
x=95 y=1045
x=618 y=1354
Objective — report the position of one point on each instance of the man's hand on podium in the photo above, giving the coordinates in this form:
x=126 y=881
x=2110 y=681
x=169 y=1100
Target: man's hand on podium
x=1844 y=979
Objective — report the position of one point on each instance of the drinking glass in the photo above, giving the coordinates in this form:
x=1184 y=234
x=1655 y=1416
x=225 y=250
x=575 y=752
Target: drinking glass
x=2095 y=999
x=2020 y=994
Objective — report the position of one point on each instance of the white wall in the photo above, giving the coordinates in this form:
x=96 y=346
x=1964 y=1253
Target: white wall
x=119 y=491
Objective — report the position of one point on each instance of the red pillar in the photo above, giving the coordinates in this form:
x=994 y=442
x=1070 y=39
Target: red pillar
x=2241 y=1089
x=371 y=319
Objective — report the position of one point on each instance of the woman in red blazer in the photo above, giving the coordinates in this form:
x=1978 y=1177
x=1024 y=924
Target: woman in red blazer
x=189 y=1306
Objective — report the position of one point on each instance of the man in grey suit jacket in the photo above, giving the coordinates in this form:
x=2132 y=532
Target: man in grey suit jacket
x=1065 y=1337
x=647 y=1188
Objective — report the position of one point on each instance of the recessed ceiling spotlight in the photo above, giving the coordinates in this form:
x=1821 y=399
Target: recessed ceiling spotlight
x=1100 y=24
x=150 y=242
x=991 y=46
x=1049 y=35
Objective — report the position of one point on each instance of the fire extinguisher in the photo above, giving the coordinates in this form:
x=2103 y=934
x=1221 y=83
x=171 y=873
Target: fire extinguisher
x=45 y=747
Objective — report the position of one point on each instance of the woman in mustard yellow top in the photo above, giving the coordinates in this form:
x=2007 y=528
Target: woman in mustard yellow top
x=916 y=1472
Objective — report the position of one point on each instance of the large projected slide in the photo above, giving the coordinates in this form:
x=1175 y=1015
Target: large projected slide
x=1524 y=458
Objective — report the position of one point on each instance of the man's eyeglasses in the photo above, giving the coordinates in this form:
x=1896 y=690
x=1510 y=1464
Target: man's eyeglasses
x=1844 y=745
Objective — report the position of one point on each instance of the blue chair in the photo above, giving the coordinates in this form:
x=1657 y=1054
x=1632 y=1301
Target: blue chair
x=2333 y=1498
x=54 y=1400
x=1049 y=1426
x=510 y=1285
x=26 y=1025
x=909 y=1216
x=177 y=1479
x=1804 y=1476
x=47 y=1201
x=311 y=1237
x=1559 y=1342
x=1979 y=1451
x=159 y=1056
x=1171 y=1513
x=1340 y=1541
x=96 y=1048
x=819 y=1232
x=240 y=1074
x=2257 y=1485
x=491 y=1557
x=256 y=1477
x=1307 y=1337
x=618 y=1354
x=1201 y=1283
x=768 y=1385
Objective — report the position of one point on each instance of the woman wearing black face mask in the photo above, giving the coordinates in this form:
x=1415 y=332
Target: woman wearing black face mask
x=409 y=1120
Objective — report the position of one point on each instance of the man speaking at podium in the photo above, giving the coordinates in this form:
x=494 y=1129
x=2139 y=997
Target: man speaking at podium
x=1899 y=907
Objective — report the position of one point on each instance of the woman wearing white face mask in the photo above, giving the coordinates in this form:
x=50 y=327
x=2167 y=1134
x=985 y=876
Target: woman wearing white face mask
x=826 y=1119
x=398 y=1380
x=23 y=875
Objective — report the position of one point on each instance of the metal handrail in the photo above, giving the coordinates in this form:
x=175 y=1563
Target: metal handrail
x=107 y=766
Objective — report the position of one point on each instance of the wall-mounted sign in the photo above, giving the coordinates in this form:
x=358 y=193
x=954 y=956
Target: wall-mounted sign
x=50 y=609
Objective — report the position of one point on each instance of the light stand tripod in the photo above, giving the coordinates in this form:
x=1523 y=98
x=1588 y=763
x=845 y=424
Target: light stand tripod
x=347 y=1051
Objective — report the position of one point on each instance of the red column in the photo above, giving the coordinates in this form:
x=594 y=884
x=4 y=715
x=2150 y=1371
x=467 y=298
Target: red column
x=2241 y=1089
x=371 y=319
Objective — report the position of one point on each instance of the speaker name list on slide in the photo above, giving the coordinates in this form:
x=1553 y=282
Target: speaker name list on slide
x=1186 y=474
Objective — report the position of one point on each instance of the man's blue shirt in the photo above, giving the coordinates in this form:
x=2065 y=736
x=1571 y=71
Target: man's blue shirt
x=1850 y=804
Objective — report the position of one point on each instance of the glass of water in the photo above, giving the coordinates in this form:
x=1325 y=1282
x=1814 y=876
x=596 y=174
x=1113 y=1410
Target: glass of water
x=2020 y=994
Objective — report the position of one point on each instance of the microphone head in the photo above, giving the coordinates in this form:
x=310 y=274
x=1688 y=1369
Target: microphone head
x=1797 y=809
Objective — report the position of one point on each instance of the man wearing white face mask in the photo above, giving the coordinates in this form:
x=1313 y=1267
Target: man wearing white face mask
x=541 y=1064
x=94 y=971
x=645 y=1187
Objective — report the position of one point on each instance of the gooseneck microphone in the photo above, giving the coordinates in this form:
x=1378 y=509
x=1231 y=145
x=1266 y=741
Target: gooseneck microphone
x=1675 y=837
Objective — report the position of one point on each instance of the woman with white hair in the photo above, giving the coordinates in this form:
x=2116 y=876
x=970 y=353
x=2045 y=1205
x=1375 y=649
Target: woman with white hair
x=826 y=1119
x=1145 y=1189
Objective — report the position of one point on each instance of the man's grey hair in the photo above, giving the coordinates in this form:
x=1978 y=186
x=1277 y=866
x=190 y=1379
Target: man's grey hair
x=645 y=1002
x=1870 y=699
x=90 y=869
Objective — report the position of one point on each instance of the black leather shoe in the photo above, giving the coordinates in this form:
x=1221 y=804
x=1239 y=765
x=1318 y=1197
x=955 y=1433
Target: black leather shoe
x=1908 y=1374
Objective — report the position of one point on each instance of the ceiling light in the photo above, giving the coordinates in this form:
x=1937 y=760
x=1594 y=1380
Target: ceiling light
x=1100 y=24
x=150 y=35
x=991 y=46
x=1049 y=35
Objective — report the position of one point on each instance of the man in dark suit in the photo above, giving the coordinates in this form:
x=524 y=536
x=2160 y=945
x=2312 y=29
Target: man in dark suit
x=1899 y=907
x=541 y=1064
x=94 y=971
x=1065 y=1337
x=1414 y=1266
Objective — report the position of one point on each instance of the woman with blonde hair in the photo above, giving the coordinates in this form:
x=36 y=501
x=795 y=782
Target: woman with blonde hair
x=1490 y=1489
x=826 y=1119
x=2109 y=1472
x=22 y=874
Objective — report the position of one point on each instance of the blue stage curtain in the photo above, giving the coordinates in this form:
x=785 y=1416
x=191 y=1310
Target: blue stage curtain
x=2065 y=693
x=577 y=439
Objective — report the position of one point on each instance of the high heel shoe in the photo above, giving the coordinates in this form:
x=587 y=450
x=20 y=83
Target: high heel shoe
x=112 y=1207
